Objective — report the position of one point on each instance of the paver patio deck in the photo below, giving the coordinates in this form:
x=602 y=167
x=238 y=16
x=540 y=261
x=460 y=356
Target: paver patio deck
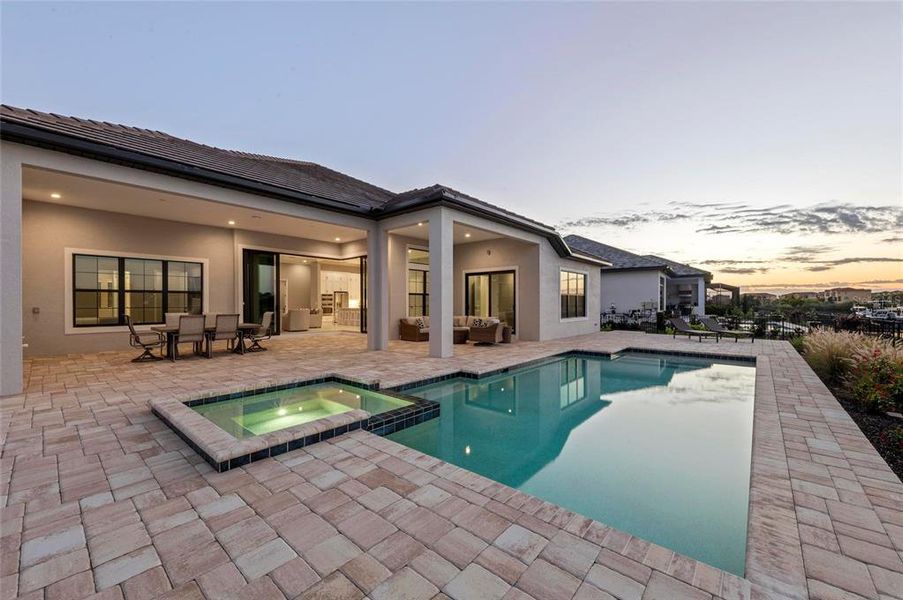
x=101 y=499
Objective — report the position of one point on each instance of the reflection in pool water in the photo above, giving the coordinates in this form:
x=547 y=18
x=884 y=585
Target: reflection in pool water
x=658 y=446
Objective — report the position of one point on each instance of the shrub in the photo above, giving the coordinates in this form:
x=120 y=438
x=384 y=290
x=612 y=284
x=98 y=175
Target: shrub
x=798 y=342
x=876 y=380
x=830 y=353
x=892 y=437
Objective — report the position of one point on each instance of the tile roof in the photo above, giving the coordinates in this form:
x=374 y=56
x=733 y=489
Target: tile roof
x=624 y=260
x=293 y=175
x=619 y=259
x=680 y=269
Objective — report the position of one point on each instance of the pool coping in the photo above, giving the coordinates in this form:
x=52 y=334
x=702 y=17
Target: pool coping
x=223 y=451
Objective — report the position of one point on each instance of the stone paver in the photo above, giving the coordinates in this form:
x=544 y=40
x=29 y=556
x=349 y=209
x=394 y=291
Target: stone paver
x=97 y=494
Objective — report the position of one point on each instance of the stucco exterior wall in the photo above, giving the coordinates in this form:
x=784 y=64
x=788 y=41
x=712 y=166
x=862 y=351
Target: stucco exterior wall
x=627 y=290
x=501 y=255
x=552 y=326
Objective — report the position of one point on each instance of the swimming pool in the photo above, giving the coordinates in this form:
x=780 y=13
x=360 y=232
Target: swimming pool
x=656 y=445
x=262 y=413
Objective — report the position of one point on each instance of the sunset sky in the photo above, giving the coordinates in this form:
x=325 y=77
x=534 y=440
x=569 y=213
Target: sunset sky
x=761 y=141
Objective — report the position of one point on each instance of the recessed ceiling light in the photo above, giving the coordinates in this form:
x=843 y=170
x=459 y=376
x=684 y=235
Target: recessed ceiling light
x=55 y=195
x=304 y=261
x=409 y=250
x=420 y=224
x=466 y=235
x=338 y=239
x=231 y=222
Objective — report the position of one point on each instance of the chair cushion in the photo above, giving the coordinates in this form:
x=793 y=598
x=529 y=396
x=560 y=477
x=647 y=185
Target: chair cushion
x=410 y=320
x=460 y=321
x=424 y=330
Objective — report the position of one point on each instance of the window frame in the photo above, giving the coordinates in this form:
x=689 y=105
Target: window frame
x=585 y=316
x=425 y=295
x=69 y=323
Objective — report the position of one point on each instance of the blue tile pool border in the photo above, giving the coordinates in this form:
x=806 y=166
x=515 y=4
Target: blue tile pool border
x=419 y=411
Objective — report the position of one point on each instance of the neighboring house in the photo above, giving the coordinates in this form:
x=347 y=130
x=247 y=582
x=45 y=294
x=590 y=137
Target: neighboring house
x=646 y=283
x=100 y=221
x=847 y=294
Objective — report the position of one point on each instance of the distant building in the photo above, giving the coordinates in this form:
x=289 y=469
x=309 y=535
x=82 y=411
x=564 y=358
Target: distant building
x=847 y=294
x=803 y=295
x=760 y=296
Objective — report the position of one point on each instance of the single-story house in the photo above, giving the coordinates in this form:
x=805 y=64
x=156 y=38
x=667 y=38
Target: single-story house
x=644 y=283
x=103 y=221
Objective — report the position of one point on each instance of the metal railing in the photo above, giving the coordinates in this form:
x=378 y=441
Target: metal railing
x=765 y=326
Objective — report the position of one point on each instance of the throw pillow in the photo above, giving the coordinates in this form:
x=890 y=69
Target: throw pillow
x=419 y=323
x=477 y=322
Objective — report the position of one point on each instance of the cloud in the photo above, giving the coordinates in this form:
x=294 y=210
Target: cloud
x=742 y=270
x=824 y=265
x=881 y=281
x=728 y=261
x=893 y=240
x=724 y=217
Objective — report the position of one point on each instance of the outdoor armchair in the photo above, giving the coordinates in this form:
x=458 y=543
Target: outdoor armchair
x=146 y=341
x=485 y=331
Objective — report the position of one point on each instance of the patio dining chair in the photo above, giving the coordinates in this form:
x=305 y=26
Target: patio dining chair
x=225 y=328
x=191 y=330
x=264 y=333
x=147 y=341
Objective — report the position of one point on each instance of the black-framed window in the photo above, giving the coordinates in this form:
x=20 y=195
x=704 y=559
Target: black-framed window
x=107 y=288
x=573 y=294
x=418 y=293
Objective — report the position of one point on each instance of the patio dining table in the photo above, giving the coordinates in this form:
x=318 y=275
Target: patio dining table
x=171 y=330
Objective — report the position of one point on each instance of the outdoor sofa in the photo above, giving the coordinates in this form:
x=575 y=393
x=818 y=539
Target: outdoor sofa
x=464 y=328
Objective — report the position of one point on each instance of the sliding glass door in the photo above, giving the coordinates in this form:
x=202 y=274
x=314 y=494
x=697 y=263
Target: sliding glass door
x=261 y=275
x=492 y=295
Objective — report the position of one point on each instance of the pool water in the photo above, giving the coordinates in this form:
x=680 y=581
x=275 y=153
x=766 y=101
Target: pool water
x=272 y=411
x=655 y=445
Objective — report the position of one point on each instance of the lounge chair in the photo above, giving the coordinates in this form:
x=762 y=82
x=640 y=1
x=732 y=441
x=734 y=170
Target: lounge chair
x=264 y=333
x=146 y=341
x=713 y=325
x=225 y=328
x=191 y=330
x=681 y=326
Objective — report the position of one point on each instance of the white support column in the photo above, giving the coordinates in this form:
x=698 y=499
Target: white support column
x=700 y=297
x=10 y=276
x=377 y=288
x=441 y=282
